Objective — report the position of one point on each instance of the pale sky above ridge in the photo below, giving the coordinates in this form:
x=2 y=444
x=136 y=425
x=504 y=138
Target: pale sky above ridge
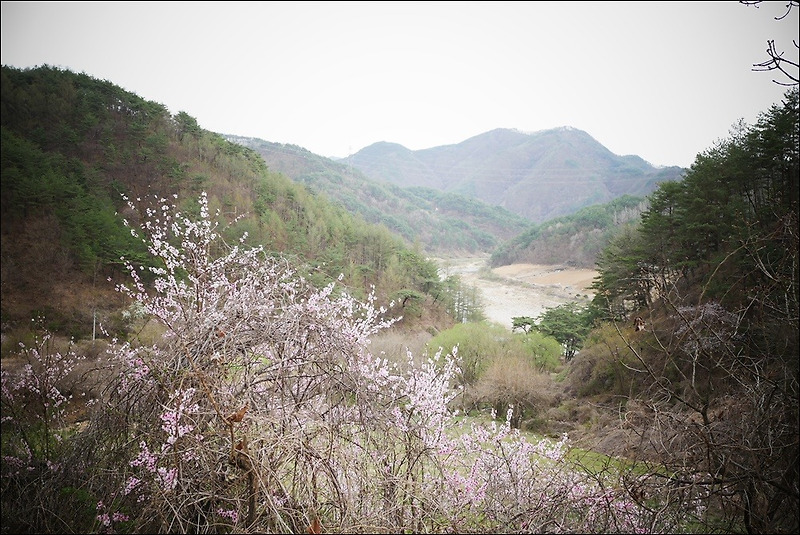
x=662 y=80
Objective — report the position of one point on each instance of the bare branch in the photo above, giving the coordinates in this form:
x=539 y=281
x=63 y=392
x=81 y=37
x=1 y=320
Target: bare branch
x=777 y=62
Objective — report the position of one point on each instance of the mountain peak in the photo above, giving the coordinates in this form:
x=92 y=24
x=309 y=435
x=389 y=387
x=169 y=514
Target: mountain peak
x=538 y=175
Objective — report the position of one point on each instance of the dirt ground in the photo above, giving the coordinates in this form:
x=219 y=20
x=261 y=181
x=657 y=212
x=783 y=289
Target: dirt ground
x=520 y=289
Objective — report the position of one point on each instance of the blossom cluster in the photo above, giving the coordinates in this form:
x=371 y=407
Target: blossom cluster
x=36 y=397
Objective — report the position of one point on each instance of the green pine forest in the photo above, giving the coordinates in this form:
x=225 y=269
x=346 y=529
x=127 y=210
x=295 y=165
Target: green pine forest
x=73 y=146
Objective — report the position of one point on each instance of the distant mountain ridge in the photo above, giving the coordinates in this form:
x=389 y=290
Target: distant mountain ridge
x=539 y=175
x=441 y=222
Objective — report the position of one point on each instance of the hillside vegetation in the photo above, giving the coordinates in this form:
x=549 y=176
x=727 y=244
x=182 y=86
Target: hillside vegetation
x=73 y=146
x=573 y=240
x=697 y=326
x=438 y=222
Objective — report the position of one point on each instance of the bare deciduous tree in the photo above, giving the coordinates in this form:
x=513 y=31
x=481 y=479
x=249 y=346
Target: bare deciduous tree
x=777 y=60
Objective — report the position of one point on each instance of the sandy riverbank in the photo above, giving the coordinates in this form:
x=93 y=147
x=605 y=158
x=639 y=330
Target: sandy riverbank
x=520 y=289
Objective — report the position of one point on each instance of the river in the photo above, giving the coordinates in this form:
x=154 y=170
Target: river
x=520 y=289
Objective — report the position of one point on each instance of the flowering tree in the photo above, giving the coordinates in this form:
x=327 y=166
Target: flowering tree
x=34 y=406
x=263 y=410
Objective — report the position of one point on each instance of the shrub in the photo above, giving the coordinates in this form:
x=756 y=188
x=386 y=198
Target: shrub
x=513 y=384
x=546 y=351
x=601 y=366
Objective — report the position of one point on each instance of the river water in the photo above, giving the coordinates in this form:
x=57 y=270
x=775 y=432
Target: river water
x=520 y=289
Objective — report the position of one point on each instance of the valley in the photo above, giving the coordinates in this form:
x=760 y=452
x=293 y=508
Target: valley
x=519 y=289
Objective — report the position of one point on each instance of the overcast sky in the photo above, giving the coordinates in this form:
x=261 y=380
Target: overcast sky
x=662 y=80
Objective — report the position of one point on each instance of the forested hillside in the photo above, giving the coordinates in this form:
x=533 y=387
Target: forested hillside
x=573 y=240
x=74 y=145
x=440 y=223
x=444 y=223
x=697 y=326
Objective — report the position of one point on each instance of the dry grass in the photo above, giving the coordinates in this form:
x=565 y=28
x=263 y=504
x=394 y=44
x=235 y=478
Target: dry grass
x=395 y=344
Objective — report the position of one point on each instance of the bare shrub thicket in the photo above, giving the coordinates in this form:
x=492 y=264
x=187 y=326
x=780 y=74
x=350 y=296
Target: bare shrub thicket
x=724 y=422
x=514 y=383
x=721 y=404
x=262 y=409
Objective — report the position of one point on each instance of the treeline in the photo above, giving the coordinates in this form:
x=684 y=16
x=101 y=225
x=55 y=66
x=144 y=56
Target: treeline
x=727 y=231
x=74 y=145
x=574 y=240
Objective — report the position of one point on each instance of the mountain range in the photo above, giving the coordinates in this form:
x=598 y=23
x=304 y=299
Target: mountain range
x=539 y=175
x=472 y=196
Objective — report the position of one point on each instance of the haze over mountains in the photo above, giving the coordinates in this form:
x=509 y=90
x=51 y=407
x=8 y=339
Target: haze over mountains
x=538 y=176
